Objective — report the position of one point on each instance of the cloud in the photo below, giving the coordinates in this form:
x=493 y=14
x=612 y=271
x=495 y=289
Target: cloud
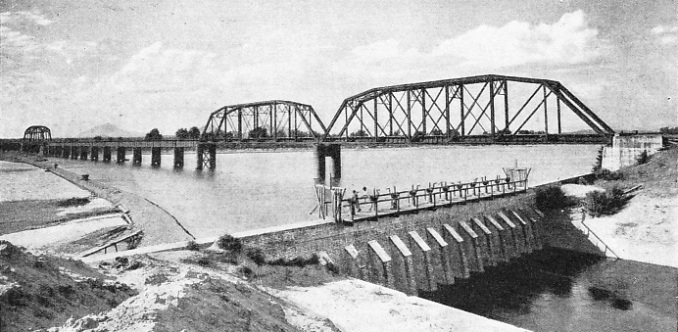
x=24 y=17
x=665 y=35
x=567 y=43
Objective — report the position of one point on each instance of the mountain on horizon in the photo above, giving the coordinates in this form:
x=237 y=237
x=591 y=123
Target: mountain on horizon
x=108 y=130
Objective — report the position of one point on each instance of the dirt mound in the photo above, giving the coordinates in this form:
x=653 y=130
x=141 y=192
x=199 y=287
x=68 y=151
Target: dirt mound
x=42 y=291
x=189 y=302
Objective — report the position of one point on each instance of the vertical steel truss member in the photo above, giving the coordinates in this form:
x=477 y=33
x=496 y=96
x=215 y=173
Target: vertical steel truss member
x=457 y=108
x=280 y=119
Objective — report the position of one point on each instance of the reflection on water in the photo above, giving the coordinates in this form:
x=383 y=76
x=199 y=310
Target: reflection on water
x=253 y=190
x=560 y=290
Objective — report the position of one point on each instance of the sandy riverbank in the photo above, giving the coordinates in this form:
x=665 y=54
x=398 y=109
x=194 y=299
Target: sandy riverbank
x=646 y=229
x=158 y=225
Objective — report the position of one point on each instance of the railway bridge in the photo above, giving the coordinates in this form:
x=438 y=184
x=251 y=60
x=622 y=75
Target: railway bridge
x=486 y=109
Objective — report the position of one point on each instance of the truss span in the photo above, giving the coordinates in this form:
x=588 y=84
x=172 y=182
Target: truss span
x=37 y=133
x=268 y=120
x=492 y=107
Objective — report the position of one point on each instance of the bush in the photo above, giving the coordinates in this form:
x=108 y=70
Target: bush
x=256 y=255
x=247 y=272
x=642 y=158
x=599 y=203
x=297 y=261
x=550 y=197
x=229 y=243
x=599 y=160
x=193 y=246
x=606 y=174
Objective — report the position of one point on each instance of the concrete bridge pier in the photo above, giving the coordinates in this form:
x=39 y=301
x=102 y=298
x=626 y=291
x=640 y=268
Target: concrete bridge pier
x=329 y=150
x=403 y=266
x=83 y=152
x=107 y=154
x=207 y=156
x=442 y=251
x=422 y=254
x=381 y=265
x=120 y=155
x=156 y=156
x=94 y=153
x=75 y=152
x=136 y=156
x=65 y=152
x=178 y=157
x=458 y=252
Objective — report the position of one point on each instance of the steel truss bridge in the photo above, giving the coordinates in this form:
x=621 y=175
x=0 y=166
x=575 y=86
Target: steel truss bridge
x=487 y=109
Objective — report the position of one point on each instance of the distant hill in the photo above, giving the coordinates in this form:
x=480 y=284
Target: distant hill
x=108 y=130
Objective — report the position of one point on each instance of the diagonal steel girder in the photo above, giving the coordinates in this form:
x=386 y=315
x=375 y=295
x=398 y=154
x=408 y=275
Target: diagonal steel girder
x=455 y=85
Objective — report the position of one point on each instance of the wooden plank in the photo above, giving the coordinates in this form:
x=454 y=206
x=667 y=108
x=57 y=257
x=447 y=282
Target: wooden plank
x=419 y=241
x=351 y=250
x=495 y=223
x=506 y=220
x=468 y=229
x=404 y=250
x=453 y=233
x=379 y=250
x=480 y=225
x=439 y=239
x=520 y=218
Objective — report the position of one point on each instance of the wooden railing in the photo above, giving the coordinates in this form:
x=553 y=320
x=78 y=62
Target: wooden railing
x=394 y=202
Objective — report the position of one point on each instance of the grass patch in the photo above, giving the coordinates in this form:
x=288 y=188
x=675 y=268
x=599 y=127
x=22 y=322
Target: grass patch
x=608 y=202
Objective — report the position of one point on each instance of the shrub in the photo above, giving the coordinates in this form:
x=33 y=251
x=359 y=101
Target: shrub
x=297 y=261
x=599 y=203
x=599 y=161
x=550 y=197
x=642 y=158
x=606 y=174
x=246 y=271
x=229 y=243
x=256 y=255
x=193 y=246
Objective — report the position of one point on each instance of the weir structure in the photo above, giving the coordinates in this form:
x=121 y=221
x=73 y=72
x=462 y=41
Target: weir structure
x=414 y=252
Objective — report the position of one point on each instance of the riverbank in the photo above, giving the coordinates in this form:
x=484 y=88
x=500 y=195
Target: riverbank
x=156 y=223
x=646 y=229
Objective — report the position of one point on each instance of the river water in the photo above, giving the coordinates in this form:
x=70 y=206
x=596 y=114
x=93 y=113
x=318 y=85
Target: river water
x=260 y=189
x=561 y=290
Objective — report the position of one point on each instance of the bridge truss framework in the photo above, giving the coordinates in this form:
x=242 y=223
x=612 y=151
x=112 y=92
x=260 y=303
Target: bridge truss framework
x=460 y=108
x=279 y=119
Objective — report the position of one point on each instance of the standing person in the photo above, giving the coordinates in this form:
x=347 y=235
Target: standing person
x=355 y=203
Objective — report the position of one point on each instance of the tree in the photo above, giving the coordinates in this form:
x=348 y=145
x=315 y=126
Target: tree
x=194 y=133
x=258 y=132
x=437 y=132
x=153 y=135
x=182 y=133
x=359 y=133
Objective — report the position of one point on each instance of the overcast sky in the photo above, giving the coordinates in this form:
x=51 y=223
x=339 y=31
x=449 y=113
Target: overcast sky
x=74 y=64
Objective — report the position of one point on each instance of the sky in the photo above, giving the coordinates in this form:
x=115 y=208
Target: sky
x=166 y=64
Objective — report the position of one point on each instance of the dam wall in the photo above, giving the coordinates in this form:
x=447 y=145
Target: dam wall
x=415 y=252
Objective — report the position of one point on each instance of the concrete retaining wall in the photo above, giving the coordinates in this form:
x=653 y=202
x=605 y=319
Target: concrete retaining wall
x=625 y=150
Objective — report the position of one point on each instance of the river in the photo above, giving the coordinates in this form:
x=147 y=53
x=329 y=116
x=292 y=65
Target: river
x=250 y=190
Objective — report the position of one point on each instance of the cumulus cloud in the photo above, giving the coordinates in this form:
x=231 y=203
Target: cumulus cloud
x=666 y=35
x=567 y=43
